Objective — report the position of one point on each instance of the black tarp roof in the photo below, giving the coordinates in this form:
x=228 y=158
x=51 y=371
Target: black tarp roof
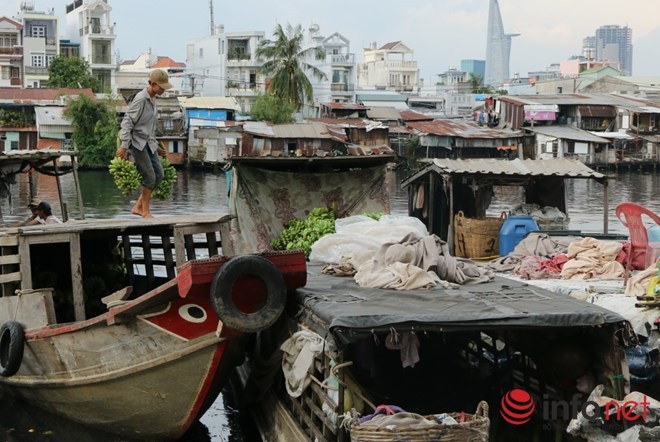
x=339 y=305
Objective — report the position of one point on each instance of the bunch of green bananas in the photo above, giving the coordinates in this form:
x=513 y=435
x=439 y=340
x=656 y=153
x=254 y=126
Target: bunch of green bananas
x=164 y=190
x=128 y=179
x=126 y=176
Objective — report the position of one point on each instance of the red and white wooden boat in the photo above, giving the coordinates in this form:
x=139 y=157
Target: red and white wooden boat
x=151 y=358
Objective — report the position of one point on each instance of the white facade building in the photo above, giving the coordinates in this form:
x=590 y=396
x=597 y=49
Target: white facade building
x=391 y=67
x=88 y=23
x=338 y=66
x=11 y=53
x=41 y=44
x=225 y=64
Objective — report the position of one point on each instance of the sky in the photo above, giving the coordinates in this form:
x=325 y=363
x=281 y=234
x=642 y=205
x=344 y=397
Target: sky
x=441 y=32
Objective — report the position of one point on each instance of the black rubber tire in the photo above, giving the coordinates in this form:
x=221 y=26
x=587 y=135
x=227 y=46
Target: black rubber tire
x=12 y=344
x=221 y=293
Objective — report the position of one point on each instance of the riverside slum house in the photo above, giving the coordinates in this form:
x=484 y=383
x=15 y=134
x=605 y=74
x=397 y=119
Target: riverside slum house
x=283 y=171
x=213 y=132
x=33 y=118
x=467 y=139
x=597 y=129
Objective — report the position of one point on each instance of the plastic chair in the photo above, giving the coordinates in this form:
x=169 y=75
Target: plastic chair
x=630 y=215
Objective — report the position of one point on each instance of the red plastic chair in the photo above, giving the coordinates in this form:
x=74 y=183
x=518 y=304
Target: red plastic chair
x=630 y=215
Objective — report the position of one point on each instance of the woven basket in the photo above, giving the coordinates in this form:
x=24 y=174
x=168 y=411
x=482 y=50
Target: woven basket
x=471 y=428
x=477 y=237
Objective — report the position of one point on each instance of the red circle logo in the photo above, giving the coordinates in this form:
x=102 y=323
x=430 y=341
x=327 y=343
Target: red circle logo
x=517 y=407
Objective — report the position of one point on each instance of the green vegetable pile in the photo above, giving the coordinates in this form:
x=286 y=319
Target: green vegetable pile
x=301 y=234
x=128 y=179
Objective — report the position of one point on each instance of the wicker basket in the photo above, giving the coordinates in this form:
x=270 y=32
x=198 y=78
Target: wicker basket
x=477 y=237
x=471 y=428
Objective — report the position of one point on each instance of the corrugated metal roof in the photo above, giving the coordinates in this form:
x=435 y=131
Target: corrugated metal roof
x=567 y=133
x=50 y=116
x=229 y=103
x=383 y=113
x=410 y=115
x=344 y=122
x=346 y=106
x=461 y=129
x=561 y=167
x=296 y=130
x=380 y=96
x=617 y=100
x=554 y=166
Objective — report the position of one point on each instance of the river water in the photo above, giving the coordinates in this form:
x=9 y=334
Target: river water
x=206 y=192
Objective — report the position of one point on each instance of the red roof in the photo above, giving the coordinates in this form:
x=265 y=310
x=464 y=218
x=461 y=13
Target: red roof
x=461 y=129
x=349 y=106
x=409 y=115
x=167 y=62
x=38 y=94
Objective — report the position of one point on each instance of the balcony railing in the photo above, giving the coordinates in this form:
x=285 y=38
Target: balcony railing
x=31 y=70
x=51 y=41
x=401 y=64
x=16 y=50
x=342 y=87
x=97 y=30
x=342 y=58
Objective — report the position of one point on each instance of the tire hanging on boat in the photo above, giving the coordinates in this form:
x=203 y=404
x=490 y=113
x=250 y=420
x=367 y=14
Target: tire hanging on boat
x=12 y=344
x=223 y=302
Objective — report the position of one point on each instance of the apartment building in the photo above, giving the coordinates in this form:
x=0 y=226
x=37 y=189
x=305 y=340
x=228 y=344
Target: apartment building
x=11 y=53
x=88 y=23
x=389 y=67
x=40 y=44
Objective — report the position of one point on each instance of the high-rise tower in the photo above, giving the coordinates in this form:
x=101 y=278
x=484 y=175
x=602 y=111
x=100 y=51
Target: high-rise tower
x=498 y=47
x=614 y=43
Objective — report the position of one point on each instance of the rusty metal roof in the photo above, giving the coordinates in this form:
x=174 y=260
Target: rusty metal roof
x=346 y=106
x=410 y=115
x=616 y=100
x=32 y=96
x=461 y=129
x=344 y=122
x=560 y=167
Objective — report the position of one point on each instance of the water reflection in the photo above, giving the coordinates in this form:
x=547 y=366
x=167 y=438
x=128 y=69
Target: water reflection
x=206 y=192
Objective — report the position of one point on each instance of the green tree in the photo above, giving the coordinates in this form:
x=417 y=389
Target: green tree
x=273 y=109
x=286 y=65
x=94 y=130
x=71 y=73
x=476 y=81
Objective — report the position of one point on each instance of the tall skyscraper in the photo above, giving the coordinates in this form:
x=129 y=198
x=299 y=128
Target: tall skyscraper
x=498 y=47
x=614 y=43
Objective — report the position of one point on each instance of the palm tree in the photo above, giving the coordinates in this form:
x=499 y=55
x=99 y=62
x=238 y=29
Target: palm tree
x=286 y=65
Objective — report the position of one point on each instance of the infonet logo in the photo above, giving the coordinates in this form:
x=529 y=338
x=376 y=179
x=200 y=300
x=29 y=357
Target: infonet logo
x=517 y=407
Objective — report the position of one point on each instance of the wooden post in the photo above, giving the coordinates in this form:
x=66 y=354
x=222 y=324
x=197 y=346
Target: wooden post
x=26 y=262
x=76 y=182
x=76 y=277
x=450 y=230
x=430 y=203
x=65 y=216
x=605 y=207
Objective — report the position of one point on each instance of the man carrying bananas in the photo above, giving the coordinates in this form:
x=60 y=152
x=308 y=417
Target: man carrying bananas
x=138 y=136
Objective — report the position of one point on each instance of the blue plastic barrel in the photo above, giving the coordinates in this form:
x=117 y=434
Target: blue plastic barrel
x=513 y=230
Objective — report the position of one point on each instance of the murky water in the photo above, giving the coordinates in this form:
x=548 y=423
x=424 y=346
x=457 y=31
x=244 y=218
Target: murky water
x=206 y=192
